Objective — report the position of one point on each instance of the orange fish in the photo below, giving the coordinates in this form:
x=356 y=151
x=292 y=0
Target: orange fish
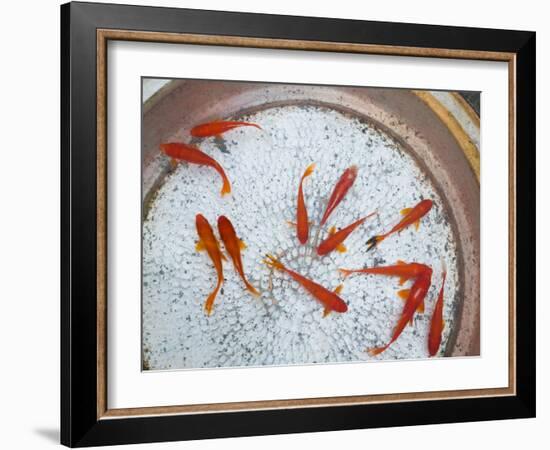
x=233 y=245
x=437 y=324
x=412 y=215
x=405 y=271
x=336 y=238
x=218 y=127
x=329 y=299
x=184 y=152
x=414 y=298
x=302 y=223
x=339 y=192
x=208 y=242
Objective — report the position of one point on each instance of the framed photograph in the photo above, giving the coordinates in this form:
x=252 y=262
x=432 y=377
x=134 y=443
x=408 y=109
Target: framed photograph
x=276 y=224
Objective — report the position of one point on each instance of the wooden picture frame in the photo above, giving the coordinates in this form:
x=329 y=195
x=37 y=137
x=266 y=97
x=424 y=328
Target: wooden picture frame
x=86 y=418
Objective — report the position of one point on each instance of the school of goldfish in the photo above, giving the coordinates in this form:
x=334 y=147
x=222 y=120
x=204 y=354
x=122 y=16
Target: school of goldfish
x=420 y=275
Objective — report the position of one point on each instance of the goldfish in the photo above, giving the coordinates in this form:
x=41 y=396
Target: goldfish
x=302 y=223
x=336 y=238
x=233 y=245
x=412 y=216
x=184 y=152
x=405 y=271
x=437 y=323
x=414 y=298
x=340 y=190
x=208 y=242
x=218 y=127
x=329 y=299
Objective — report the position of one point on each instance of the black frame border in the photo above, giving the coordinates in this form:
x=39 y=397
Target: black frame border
x=79 y=423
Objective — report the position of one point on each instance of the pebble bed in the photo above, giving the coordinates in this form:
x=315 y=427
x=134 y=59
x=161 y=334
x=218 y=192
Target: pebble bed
x=286 y=325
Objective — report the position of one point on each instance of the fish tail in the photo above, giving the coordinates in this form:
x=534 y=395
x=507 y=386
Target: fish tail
x=256 y=125
x=376 y=350
x=271 y=261
x=209 y=304
x=226 y=188
x=345 y=272
x=374 y=241
x=309 y=170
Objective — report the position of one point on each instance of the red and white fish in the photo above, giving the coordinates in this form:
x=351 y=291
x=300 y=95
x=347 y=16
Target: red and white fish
x=219 y=127
x=330 y=300
x=405 y=271
x=340 y=190
x=233 y=245
x=208 y=242
x=411 y=216
x=414 y=298
x=302 y=221
x=188 y=153
x=336 y=239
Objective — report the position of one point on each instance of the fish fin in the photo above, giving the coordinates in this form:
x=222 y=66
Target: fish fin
x=341 y=248
x=442 y=325
x=400 y=262
x=174 y=163
x=405 y=211
x=224 y=258
x=339 y=288
x=417 y=225
x=242 y=245
x=411 y=321
x=199 y=246
x=402 y=281
x=404 y=294
x=420 y=308
x=291 y=223
x=326 y=312
x=332 y=230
